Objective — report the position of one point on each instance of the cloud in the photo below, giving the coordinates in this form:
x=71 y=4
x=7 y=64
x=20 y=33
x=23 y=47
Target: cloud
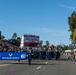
x=39 y=30
x=52 y=32
x=68 y=7
x=55 y=32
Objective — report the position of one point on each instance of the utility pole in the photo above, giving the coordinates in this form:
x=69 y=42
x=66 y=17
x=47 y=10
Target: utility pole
x=0 y=35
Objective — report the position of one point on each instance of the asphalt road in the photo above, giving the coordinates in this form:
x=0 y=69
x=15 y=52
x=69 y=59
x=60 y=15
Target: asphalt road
x=39 y=67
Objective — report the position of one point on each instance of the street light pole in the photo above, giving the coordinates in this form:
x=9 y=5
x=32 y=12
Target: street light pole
x=0 y=35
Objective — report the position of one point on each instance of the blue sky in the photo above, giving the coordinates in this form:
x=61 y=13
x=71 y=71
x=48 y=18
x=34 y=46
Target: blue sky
x=46 y=18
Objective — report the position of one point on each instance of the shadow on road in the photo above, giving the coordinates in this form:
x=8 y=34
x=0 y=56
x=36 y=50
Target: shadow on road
x=63 y=59
x=35 y=63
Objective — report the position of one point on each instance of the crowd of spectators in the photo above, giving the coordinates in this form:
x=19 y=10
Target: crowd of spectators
x=7 y=46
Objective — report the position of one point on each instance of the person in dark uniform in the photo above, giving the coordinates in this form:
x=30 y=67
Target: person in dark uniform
x=29 y=56
x=57 y=55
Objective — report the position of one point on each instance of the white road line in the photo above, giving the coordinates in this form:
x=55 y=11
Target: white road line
x=1 y=65
x=39 y=67
x=4 y=65
x=46 y=62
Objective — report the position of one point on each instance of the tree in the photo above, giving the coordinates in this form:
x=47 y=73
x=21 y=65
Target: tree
x=74 y=35
x=2 y=37
x=72 y=24
x=14 y=36
x=47 y=44
x=19 y=39
x=65 y=47
x=40 y=44
x=58 y=46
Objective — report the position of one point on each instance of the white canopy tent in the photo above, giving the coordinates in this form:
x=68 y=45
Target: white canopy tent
x=68 y=51
x=74 y=50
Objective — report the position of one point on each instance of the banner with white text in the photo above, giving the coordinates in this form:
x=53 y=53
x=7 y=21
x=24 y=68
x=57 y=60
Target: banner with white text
x=13 y=55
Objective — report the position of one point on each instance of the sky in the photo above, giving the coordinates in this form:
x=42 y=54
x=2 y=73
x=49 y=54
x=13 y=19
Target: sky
x=45 y=18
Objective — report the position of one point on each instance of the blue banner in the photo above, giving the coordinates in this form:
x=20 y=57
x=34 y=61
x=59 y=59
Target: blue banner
x=13 y=55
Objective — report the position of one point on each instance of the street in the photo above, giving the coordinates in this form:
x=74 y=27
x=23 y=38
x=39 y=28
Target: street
x=38 y=67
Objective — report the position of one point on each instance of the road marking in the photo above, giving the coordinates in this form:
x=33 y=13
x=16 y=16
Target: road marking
x=1 y=65
x=4 y=65
x=39 y=67
x=46 y=62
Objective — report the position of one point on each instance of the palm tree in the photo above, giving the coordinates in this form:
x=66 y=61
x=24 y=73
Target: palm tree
x=47 y=44
x=40 y=44
x=14 y=36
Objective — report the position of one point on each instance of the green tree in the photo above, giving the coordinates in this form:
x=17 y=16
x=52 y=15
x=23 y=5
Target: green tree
x=2 y=37
x=58 y=46
x=74 y=35
x=40 y=44
x=72 y=24
x=14 y=36
x=47 y=44
x=19 y=39
x=65 y=47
